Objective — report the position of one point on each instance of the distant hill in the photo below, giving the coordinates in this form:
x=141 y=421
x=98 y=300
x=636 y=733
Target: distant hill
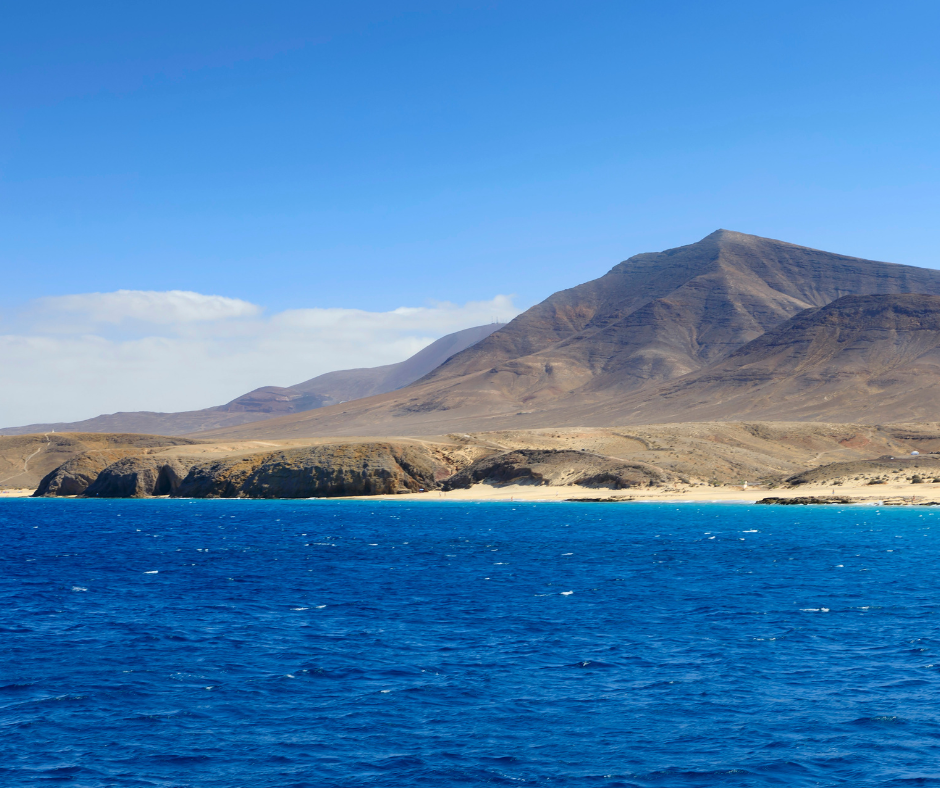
x=350 y=384
x=598 y=353
x=271 y=401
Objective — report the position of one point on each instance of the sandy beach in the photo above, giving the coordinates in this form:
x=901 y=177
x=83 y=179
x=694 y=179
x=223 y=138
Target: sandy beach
x=888 y=494
x=883 y=494
x=16 y=493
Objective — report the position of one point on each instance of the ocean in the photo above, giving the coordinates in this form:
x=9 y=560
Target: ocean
x=251 y=643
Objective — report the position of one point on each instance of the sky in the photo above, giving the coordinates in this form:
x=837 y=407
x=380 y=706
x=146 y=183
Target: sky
x=198 y=199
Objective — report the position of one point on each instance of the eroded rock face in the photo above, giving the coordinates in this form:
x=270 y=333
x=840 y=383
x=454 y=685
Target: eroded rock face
x=139 y=477
x=75 y=476
x=558 y=467
x=340 y=470
x=326 y=471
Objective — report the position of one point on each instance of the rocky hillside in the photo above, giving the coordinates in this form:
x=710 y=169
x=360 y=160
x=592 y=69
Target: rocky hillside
x=322 y=471
x=598 y=353
x=683 y=455
x=917 y=470
x=327 y=471
x=860 y=358
x=558 y=467
x=351 y=384
x=26 y=459
x=139 y=477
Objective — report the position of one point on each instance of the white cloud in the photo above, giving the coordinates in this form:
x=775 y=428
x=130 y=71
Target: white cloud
x=74 y=357
x=147 y=306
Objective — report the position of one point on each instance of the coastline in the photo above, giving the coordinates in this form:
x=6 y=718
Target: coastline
x=926 y=494
x=16 y=492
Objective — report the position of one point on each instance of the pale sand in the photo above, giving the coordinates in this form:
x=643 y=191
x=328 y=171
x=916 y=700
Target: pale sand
x=892 y=494
x=16 y=493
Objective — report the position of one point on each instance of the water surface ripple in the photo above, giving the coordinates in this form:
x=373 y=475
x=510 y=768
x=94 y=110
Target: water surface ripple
x=316 y=643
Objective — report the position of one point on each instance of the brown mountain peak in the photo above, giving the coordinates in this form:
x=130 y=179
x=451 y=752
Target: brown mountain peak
x=619 y=349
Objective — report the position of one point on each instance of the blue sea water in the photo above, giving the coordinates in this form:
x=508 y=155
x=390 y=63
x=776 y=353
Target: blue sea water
x=336 y=643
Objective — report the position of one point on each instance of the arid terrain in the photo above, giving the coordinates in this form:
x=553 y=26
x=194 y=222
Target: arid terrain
x=703 y=461
x=734 y=326
x=26 y=459
x=734 y=362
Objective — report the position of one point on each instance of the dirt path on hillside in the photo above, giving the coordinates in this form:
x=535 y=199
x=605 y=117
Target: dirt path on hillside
x=26 y=461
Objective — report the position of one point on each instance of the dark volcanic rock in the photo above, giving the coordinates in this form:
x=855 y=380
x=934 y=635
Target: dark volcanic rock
x=557 y=467
x=75 y=476
x=599 y=500
x=319 y=471
x=808 y=500
x=219 y=478
x=139 y=477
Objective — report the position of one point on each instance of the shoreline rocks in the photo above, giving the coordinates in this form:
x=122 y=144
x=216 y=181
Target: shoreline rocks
x=76 y=475
x=807 y=500
x=139 y=477
x=328 y=471
x=559 y=467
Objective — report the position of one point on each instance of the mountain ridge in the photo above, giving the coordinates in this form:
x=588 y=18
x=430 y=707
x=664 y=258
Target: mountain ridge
x=590 y=349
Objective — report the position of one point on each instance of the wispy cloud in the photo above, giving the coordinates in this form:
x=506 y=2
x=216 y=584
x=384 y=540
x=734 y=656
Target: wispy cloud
x=148 y=306
x=73 y=357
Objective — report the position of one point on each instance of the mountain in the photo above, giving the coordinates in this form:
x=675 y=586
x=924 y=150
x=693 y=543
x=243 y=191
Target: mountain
x=350 y=384
x=271 y=401
x=600 y=350
x=660 y=316
x=871 y=359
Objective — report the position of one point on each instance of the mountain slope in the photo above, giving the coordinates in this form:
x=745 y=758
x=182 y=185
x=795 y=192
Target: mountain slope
x=869 y=358
x=271 y=401
x=600 y=350
x=352 y=384
x=658 y=316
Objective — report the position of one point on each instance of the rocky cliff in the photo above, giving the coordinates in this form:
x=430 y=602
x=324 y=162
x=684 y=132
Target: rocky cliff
x=327 y=471
x=25 y=460
x=140 y=477
x=75 y=476
x=559 y=467
x=611 y=458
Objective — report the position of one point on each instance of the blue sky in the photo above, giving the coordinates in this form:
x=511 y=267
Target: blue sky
x=374 y=156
